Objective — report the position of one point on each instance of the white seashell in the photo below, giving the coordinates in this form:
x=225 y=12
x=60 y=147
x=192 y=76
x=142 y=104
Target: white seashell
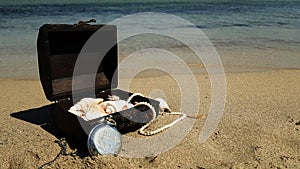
x=163 y=105
x=115 y=106
x=87 y=108
x=85 y=103
x=110 y=109
x=99 y=100
x=94 y=111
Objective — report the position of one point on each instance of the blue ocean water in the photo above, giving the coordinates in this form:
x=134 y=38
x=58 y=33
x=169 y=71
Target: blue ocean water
x=258 y=23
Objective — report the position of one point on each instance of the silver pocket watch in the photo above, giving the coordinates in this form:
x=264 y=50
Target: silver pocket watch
x=104 y=139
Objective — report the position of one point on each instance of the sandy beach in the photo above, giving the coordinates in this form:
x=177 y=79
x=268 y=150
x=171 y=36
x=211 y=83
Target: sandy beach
x=258 y=43
x=259 y=129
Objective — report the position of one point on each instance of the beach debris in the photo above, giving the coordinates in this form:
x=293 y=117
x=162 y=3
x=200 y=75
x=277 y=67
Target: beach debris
x=3 y=142
x=151 y=159
x=290 y=119
x=297 y=123
x=199 y=167
x=255 y=147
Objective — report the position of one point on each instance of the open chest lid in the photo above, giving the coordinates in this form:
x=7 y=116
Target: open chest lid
x=58 y=47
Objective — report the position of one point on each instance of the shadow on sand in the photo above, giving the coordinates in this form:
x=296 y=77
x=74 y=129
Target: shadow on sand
x=42 y=116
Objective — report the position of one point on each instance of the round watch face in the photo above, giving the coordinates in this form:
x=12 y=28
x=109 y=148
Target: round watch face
x=104 y=140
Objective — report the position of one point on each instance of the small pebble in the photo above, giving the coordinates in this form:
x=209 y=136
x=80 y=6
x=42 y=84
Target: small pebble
x=290 y=119
x=198 y=167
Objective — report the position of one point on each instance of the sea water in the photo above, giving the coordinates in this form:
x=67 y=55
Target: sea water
x=272 y=26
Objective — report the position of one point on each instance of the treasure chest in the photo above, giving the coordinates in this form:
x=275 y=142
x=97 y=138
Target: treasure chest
x=63 y=66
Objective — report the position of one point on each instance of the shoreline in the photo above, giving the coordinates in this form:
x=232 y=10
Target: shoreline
x=236 y=56
x=197 y=69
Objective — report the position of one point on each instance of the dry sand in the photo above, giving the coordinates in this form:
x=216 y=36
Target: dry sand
x=259 y=129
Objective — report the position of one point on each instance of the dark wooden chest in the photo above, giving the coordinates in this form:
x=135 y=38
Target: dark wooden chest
x=59 y=46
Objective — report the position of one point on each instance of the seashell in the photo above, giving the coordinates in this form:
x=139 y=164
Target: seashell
x=115 y=106
x=113 y=98
x=93 y=112
x=163 y=105
x=82 y=108
x=85 y=103
x=110 y=109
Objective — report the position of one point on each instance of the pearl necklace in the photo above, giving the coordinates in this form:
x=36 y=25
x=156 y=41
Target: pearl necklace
x=143 y=128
